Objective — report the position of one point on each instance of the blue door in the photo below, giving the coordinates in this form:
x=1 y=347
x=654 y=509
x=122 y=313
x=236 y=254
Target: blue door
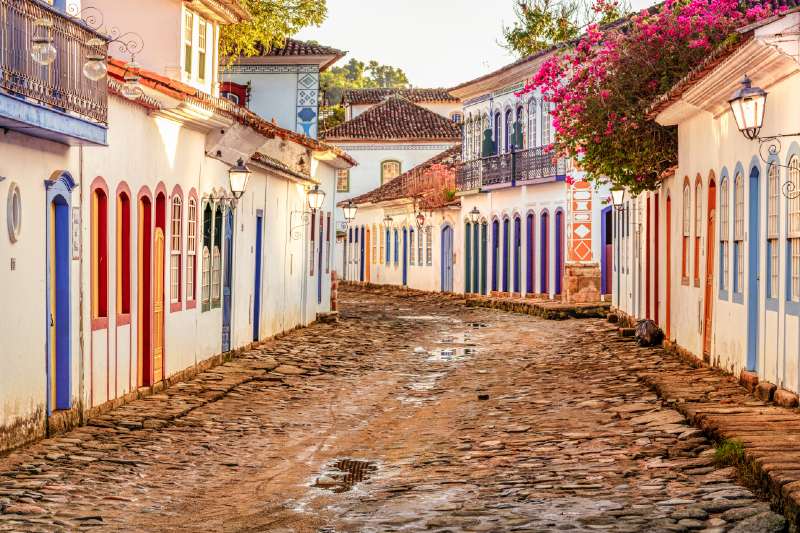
x=559 y=259
x=529 y=255
x=505 y=255
x=754 y=295
x=517 y=252
x=405 y=256
x=257 y=288
x=361 y=256
x=227 y=282
x=495 y=251
x=467 y=257
x=319 y=261
x=58 y=316
x=447 y=259
x=484 y=231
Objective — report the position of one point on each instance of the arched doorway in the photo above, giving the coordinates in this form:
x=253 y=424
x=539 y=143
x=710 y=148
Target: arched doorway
x=495 y=252
x=447 y=259
x=370 y=258
x=468 y=258
x=484 y=237
x=145 y=289
x=530 y=255
x=559 y=259
x=544 y=239
x=59 y=292
x=405 y=256
x=517 y=254
x=753 y=291
x=506 y=254
x=476 y=260
x=159 y=250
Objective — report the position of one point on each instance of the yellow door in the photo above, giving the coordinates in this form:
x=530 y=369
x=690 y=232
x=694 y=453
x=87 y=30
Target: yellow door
x=158 y=307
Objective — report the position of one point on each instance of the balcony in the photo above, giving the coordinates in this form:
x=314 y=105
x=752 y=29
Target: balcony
x=525 y=167
x=57 y=101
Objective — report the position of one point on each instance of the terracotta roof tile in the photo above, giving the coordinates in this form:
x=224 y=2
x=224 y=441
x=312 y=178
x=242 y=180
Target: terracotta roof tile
x=396 y=119
x=427 y=182
x=293 y=47
x=378 y=95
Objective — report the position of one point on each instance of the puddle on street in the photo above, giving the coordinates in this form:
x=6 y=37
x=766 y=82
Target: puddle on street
x=341 y=475
x=450 y=355
x=477 y=325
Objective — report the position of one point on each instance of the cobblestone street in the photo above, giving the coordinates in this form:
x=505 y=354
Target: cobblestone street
x=467 y=419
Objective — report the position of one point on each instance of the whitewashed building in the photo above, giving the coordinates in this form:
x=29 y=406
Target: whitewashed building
x=713 y=255
x=128 y=258
x=532 y=221
x=387 y=139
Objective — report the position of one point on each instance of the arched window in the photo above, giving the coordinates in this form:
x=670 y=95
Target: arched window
x=508 y=139
x=390 y=170
x=216 y=259
x=497 y=129
x=724 y=233
x=328 y=245
x=191 y=251
x=420 y=238
x=388 y=247
x=99 y=256
x=698 y=227
x=531 y=129
x=411 y=246
x=396 y=248
x=773 y=195
x=793 y=215
x=123 y=253
x=686 y=230
x=521 y=126
x=176 y=250
x=429 y=245
x=208 y=229
x=546 y=123
x=738 y=233
x=484 y=128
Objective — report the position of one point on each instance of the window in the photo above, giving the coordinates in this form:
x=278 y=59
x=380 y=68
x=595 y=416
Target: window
x=328 y=244
x=698 y=227
x=99 y=254
x=531 y=129
x=396 y=248
x=233 y=97
x=381 y=256
x=497 y=141
x=520 y=128
x=456 y=117
x=724 y=235
x=794 y=231
x=191 y=251
x=388 y=247
x=123 y=254
x=508 y=139
x=188 y=39
x=546 y=124
x=176 y=250
x=687 y=229
x=216 y=259
x=773 y=195
x=343 y=180
x=429 y=245
x=208 y=226
x=738 y=233
x=389 y=171
x=419 y=247
x=374 y=242
x=411 y=246
x=202 y=35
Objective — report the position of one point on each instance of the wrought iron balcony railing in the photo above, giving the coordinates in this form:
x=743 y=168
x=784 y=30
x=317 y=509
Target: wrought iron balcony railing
x=533 y=165
x=60 y=85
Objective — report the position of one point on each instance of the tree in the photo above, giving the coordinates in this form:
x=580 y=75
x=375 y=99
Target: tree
x=359 y=75
x=541 y=24
x=272 y=22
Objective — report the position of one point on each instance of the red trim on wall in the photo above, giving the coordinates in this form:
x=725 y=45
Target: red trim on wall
x=123 y=320
x=99 y=323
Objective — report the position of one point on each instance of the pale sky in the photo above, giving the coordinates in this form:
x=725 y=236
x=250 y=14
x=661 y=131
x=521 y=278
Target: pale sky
x=438 y=43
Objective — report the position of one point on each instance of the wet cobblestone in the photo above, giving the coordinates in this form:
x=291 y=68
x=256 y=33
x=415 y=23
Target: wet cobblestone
x=522 y=425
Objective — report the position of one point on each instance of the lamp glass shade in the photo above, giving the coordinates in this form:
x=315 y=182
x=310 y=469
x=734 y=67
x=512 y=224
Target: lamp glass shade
x=43 y=51
x=617 y=197
x=387 y=220
x=474 y=215
x=350 y=211
x=238 y=176
x=95 y=68
x=315 y=198
x=420 y=220
x=748 y=106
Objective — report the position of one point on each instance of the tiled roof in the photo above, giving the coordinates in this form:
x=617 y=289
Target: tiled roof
x=274 y=164
x=293 y=47
x=427 y=182
x=396 y=119
x=376 y=96
x=180 y=91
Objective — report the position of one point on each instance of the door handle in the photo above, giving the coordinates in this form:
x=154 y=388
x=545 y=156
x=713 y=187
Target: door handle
x=52 y=322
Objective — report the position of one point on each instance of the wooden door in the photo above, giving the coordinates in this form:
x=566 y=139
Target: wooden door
x=369 y=256
x=668 y=310
x=708 y=299
x=52 y=317
x=158 y=306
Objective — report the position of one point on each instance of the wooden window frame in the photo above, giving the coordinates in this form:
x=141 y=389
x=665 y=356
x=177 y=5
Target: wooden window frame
x=176 y=251
x=383 y=169
x=99 y=254
x=698 y=227
x=192 y=235
x=686 y=230
x=124 y=255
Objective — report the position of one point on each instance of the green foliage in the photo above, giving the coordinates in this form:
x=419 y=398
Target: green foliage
x=331 y=116
x=729 y=453
x=359 y=75
x=273 y=21
x=541 y=24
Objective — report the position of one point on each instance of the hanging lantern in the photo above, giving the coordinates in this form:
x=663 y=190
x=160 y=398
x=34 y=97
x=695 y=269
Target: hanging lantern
x=95 y=67
x=747 y=105
x=617 y=197
x=420 y=220
x=316 y=197
x=350 y=211
x=131 y=89
x=475 y=215
x=42 y=49
x=238 y=176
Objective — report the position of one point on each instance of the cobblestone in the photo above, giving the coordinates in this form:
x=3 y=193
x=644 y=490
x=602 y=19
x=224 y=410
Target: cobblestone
x=568 y=437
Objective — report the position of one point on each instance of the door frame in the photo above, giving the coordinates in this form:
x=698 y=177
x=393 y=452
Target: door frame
x=144 y=286
x=405 y=256
x=227 y=278
x=258 y=267
x=668 y=255
x=544 y=229
x=753 y=264
x=447 y=258
x=559 y=250
x=58 y=244
x=711 y=240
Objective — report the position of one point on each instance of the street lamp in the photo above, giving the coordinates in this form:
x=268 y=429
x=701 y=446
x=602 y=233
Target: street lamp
x=95 y=67
x=420 y=220
x=42 y=49
x=131 y=89
x=618 y=198
x=350 y=211
x=475 y=215
x=747 y=105
x=316 y=197
x=238 y=176
x=387 y=220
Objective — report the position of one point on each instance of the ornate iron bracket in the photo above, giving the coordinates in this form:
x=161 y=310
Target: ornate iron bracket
x=772 y=145
x=296 y=230
x=128 y=43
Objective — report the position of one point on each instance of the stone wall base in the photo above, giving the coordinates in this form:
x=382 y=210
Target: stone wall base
x=581 y=283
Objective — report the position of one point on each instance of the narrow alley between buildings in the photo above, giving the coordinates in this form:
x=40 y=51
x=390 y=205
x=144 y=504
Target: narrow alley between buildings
x=412 y=413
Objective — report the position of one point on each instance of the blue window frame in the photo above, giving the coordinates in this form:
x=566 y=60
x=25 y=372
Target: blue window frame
x=724 y=237
x=396 y=248
x=773 y=225
x=388 y=248
x=738 y=238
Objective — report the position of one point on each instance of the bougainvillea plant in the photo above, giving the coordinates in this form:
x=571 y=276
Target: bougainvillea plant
x=602 y=88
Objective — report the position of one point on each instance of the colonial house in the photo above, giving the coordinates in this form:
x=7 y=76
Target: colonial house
x=713 y=255
x=387 y=140
x=281 y=83
x=405 y=232
x=527 y=215
x=440 y=101
x=150 y=224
